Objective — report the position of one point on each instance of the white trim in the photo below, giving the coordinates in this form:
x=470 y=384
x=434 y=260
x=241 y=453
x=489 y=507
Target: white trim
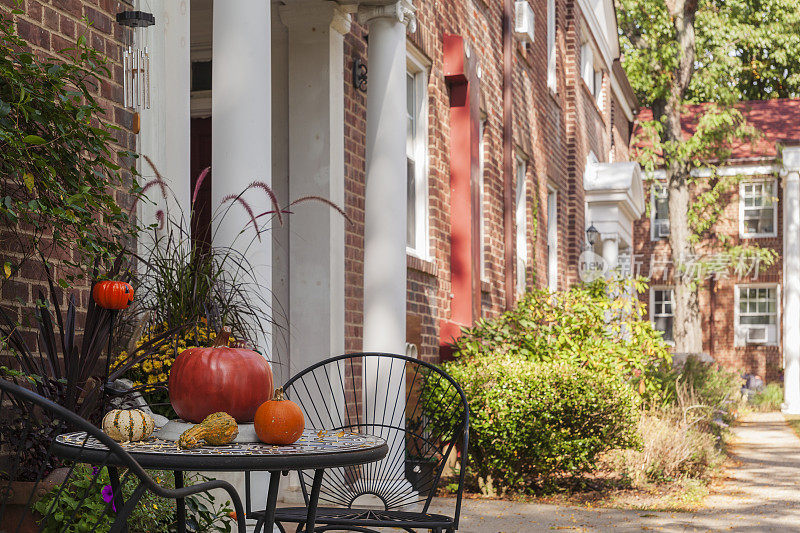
x=417 y=66
x=739 y=332
x=652 y=305
x=727 y=171
x=482 y=195
x=774 y=233
x=653 y=233
x=621 y=98
x=521 y=222
x=597 y=32
x=552 y=238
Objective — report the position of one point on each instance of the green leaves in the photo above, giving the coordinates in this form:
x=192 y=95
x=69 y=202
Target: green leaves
x=33 y=139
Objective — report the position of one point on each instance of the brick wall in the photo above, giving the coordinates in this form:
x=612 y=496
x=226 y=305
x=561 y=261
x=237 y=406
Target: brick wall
x=50 y=26
x=552 y=131
x=719 y=295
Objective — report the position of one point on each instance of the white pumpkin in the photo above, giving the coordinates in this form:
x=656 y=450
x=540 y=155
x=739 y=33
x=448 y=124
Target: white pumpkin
x=128 y=425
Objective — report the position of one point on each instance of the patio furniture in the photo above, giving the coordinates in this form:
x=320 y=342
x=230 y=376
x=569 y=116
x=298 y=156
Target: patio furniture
x=421 y=412
x=314 y=450
x=31 y=426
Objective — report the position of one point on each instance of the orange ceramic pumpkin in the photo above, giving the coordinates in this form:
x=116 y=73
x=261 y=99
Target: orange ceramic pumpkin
x=112 y=294
x=279 y=421
x=209 y=380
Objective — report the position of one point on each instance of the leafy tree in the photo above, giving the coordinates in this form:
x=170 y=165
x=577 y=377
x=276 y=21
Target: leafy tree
x=58 y=170
x=686 y=51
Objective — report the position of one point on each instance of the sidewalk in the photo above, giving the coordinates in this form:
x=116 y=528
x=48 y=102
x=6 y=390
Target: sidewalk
x=762 y=494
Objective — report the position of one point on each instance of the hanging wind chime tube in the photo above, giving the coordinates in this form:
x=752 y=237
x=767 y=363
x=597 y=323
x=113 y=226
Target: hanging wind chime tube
x=135 y=63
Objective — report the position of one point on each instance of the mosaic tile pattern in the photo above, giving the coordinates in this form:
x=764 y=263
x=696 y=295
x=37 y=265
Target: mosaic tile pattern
x=312 y=442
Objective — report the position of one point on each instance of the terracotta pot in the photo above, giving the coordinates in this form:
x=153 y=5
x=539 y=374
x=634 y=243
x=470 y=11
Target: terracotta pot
x=20 y=495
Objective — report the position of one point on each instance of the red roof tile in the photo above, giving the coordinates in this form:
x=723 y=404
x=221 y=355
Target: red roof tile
x=778 y=120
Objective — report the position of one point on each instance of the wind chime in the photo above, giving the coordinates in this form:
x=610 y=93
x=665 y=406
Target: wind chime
x=135 y=64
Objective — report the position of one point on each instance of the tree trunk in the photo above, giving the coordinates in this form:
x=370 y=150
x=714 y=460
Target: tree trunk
x=687 y=330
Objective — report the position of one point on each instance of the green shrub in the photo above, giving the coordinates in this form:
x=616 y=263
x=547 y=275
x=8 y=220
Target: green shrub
x=769 y=398
x=598 y=326
x=531 y=423
x=711 y=386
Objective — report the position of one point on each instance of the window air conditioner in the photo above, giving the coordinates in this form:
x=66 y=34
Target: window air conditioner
x=662 y=228
x=523 y=21
x=757 y=335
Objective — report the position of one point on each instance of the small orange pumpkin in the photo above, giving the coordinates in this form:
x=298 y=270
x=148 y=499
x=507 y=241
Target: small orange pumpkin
x=112 y=294
x=279 y=421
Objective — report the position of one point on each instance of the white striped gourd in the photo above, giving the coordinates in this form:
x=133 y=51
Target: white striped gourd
x=128 y=425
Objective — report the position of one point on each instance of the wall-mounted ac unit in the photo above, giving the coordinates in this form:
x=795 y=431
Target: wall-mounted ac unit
x=523 y=21
x=661 y=228
x=757 y=334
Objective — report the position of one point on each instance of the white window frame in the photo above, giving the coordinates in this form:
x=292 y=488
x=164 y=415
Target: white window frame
x=658 y=189
x=482 y=194
x=592 y=73
x=521 y=222
x=652 y=308
x=552 y=81
x=552 y=238
x=417 y=67
x=740 y=331
x=742 y=232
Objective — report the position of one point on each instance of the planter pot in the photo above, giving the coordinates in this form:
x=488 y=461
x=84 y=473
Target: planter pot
x=21 y=495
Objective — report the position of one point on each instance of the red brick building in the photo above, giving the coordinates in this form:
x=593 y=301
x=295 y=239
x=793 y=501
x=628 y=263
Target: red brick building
x=744 y=316
x=488 y=129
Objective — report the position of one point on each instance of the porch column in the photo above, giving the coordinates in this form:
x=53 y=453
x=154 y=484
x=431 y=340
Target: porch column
x=611 y=250
x=316 y=30
x=385 y=216
x=241 y=149
x=791 y=279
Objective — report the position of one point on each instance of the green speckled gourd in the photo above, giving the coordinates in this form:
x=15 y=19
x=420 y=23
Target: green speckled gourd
x=216 y=429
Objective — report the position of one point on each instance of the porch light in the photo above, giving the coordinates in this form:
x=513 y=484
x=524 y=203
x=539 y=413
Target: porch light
x=591 y=235
x=136 y=63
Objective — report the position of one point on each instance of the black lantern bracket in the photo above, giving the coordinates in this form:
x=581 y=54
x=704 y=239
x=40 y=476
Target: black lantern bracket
x=135 y=19
x=360 y=75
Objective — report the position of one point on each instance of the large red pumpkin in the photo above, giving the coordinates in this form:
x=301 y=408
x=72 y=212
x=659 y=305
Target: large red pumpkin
x=112 y=294
x=219 y=379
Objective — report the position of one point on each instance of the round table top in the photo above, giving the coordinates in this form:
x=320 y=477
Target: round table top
x=315 y=449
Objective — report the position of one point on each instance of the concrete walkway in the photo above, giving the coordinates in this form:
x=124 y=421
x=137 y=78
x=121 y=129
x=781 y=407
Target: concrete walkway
x=762 y=493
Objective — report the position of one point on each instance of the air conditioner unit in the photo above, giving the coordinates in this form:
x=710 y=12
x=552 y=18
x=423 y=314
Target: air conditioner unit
x=662 y=228
x=757 y=334
x=523 y=21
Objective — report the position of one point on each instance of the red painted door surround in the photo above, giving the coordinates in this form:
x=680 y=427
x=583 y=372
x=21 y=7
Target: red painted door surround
x=460 y=73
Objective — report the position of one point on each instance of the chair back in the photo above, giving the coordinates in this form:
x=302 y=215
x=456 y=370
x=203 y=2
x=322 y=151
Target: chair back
x=41 y=492
x=416 y=406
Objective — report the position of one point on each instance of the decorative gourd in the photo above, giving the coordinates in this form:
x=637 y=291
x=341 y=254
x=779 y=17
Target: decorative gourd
x=279 y=421
x=219 y=379
x=112 y=294
x=217 y=429
x=128 y=425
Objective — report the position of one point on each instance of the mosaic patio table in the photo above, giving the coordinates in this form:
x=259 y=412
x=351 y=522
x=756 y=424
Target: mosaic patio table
x=313 y=451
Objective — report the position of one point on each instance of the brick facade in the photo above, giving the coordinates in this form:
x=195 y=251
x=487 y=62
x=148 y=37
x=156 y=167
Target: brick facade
x=48 y=27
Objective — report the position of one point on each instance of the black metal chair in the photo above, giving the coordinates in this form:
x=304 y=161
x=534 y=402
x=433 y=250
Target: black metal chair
x=69 y=492
x=421 y=412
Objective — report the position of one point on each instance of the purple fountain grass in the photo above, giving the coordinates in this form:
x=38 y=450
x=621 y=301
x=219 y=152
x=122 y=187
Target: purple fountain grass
x=199 y=183
x=237 y=198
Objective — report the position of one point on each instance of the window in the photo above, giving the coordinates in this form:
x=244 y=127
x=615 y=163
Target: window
x=482 y=194
x=416 y=160
x=551 y=46
x=552 y=240
x=592 y=73
x=661 y=313
x=521 y=224
x=758 y=216
x=659 y=212
x=756 y=314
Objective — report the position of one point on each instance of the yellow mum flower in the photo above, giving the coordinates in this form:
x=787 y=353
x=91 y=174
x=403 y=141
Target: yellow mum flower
x=152 y=379
x=147 y=366
x=162 y=377
x=157 y=364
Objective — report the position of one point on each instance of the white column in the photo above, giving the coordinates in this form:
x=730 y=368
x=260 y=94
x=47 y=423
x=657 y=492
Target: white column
x=611 y=250
x=242 y=142
x=791 y=279
x=316 y=168
x=385 y=215
x=165 y=127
